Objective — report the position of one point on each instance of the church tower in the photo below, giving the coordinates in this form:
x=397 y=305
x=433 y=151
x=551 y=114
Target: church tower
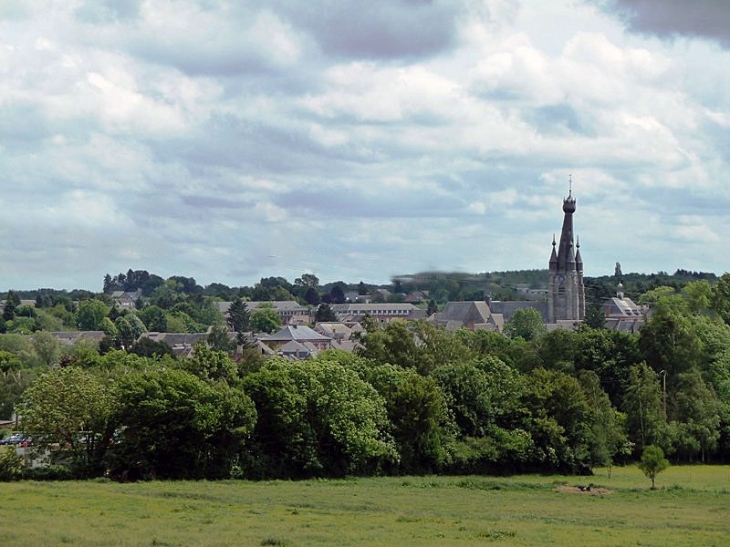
x=566 y=294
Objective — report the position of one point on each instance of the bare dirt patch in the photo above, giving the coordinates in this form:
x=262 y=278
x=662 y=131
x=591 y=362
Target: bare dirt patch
x=588 y=490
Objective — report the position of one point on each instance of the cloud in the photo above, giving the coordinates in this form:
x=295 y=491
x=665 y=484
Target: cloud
x=708 y=19
x=232 y=140
x=398 y=29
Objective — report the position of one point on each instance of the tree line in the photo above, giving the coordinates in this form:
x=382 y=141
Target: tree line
x=413 y=399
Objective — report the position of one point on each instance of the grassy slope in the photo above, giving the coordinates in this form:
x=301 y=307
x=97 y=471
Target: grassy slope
x=690 y=508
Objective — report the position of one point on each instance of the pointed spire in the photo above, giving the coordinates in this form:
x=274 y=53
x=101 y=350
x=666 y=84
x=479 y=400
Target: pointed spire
x=554 y=255
x=578 y=258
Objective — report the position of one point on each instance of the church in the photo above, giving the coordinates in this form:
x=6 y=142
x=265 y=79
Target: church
x=565 y=306
x=566 y=293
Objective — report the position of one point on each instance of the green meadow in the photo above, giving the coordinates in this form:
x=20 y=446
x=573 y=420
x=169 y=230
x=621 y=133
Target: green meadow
x=690 y=507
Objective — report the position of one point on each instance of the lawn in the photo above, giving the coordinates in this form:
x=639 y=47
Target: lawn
x=690 y=507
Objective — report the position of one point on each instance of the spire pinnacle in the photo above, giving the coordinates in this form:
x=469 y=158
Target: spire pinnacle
x=570 y=185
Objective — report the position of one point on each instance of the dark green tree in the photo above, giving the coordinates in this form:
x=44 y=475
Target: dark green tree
x=239 y=317
x=173 y=425
x=324 y=314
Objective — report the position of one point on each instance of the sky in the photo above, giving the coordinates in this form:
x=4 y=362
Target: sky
x=229 y=140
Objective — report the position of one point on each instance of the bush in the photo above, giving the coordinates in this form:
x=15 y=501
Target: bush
x=11 y=465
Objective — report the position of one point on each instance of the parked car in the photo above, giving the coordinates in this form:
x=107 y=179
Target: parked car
x=16 y=438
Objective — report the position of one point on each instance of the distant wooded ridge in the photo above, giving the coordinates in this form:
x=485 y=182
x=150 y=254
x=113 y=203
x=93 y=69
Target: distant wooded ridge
x=439 y=286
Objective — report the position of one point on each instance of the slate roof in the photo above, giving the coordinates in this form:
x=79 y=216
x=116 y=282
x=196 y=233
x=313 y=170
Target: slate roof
x=294 y=332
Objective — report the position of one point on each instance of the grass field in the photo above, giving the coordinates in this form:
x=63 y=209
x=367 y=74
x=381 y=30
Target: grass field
x=691 y=507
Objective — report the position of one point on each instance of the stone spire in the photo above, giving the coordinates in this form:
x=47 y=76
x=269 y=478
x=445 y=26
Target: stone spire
x=566 y=292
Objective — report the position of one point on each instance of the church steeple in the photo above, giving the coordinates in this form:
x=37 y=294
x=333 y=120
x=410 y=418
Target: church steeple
x=566 y=293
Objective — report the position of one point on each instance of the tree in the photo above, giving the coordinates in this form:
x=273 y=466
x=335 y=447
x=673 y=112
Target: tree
x=324 y=314
x=307 y=280
x=265 y=319
x=218 y=339
x=72 y=407
x=154 y=318
x=12 y=302
x=90 y=314
x=47 y=347
x=652 y=463
x=595 y=317
x=337 y=294
x=211 y=365
x=526 y=323
x=432 y=308
x=720 y=299
x=316 y=419
x=173 y=425
x=146 y=347
x=418 y=413
x=312 y=296
x=239 y=317
x=643 y=405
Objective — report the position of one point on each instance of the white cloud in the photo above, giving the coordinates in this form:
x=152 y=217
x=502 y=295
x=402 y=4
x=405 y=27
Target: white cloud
x=200 y=138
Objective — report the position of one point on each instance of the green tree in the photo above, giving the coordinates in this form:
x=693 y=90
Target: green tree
x=316 y=419
x=643 y=405
x=312 y=296
x=173 y=425
x=70 y=407
x=90 y=314
x=695 y=410
x=720 y=299
x=526 y=323
x=12 y=302
x=211 y=365
x=605 y=435
x=218 y=339
x=47 y=347
x=154 y=318
x=146 y=347
x=265 y=319
x=324 y=314
x=669 y=342
x=418 y=413
x=652 y=463
x=239 y=317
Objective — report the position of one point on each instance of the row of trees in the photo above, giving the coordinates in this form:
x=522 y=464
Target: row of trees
x=416 y=399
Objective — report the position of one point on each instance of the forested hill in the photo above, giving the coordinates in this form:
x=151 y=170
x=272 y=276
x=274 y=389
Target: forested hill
x=441 y=286
x=445 y=286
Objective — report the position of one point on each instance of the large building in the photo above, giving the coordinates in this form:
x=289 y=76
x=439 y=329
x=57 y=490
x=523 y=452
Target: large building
x=566 y=293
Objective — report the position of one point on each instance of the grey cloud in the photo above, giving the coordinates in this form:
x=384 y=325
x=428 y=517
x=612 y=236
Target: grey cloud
x=703 y=18
x=377 y=30
x=356 y=203
x=560 y=119
x=106 y=11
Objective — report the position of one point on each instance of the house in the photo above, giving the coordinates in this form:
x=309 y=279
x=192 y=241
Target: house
x=290 y=312
x=182 y=343
x=379 y=312
x=297 y=333
x=474 y=315
x=70 y=338
x=126 y=300
x=336 y=331
x=297 y=350
x=622 y=313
